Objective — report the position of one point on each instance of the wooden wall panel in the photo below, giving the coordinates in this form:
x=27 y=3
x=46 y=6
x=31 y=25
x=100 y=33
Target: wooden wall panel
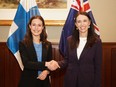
x=108 y=65
x=113 y=67
x=57 y=77
x=2 y=65
x=10 y=71
x=9 y=68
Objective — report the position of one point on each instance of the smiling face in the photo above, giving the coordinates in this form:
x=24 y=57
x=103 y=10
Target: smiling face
x=36 y=27
x=82 y=23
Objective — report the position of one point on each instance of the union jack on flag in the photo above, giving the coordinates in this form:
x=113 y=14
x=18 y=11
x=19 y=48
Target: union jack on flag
x=76 y=6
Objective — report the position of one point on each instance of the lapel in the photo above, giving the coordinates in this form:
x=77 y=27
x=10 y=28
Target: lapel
x=83 y=53
x=43 y=51
x=33 y=52
x=75 y=54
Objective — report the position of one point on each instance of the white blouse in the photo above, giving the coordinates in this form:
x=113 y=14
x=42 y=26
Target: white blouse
x=81 y=46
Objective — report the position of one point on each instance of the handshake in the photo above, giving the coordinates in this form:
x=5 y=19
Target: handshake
x=52 y=65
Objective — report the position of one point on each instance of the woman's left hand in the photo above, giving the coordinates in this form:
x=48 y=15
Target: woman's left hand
x=43 y=75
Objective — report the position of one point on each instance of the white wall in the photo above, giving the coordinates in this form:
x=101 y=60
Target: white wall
x=104 y=13
x=53 y=33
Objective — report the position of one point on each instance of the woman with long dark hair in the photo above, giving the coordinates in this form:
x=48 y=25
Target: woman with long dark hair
x=83 y=59
x=35 y=53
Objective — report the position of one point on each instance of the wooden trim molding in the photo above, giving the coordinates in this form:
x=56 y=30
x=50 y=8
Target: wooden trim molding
x=47 y=22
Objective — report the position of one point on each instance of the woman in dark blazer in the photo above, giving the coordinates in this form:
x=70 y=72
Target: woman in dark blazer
x=35 y=53
x=84 y=55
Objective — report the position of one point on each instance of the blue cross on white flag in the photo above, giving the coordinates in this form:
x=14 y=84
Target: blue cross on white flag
x=26 y=9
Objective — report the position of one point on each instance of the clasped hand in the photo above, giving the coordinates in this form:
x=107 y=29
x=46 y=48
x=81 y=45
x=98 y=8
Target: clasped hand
x=52 y=65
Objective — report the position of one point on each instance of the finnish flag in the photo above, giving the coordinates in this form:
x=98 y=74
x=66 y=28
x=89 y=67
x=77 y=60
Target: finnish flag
x=26 y=9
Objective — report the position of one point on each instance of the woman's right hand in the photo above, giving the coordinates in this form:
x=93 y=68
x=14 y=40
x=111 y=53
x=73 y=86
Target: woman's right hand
x=52 y=65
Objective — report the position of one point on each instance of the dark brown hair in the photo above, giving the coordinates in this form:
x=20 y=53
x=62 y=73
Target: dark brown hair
x=28 y=37
x=91 y=37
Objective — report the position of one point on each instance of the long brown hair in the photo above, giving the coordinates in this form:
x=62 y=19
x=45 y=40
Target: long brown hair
x=91 y=37
x=28 y=39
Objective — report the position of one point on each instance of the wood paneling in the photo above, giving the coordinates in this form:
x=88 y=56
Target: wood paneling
x=109 y=58
x=57 y=76
x=113 y=67
x=2 y=65
x=10 y=70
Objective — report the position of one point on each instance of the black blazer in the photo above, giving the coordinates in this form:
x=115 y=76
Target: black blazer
x=31 y=65
x=85 y=71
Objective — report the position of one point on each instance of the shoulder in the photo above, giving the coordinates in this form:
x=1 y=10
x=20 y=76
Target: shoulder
x=69 y=38
x=47 y=44
x=98 y=39
x=21 y=43
x=98 y=42
x=24 y=44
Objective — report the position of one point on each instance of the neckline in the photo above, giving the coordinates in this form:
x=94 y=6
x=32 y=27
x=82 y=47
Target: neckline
x=83 y=38
x=37 y=43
